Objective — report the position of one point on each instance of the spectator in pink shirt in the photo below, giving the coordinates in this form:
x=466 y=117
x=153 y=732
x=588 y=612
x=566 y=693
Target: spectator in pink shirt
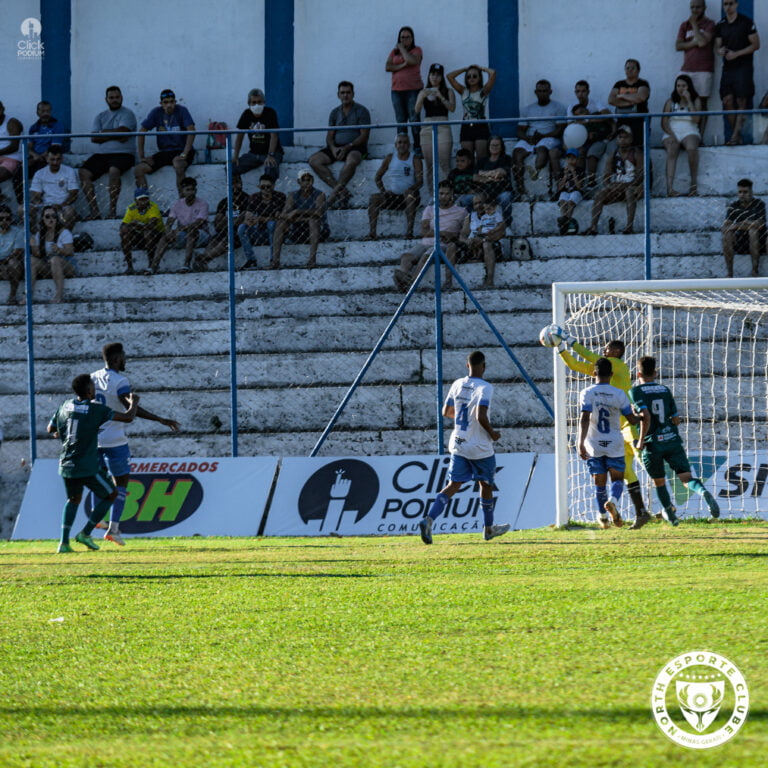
x=404 y=62
x=696 y=38
x=188 y=222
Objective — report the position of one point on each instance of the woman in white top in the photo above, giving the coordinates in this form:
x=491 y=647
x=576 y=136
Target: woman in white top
x=438 y=102
x=682 y=129
x=474 y=96
x=53 y=251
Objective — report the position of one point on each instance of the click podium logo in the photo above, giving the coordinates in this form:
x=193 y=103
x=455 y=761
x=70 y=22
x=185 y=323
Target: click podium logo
x=700 y=700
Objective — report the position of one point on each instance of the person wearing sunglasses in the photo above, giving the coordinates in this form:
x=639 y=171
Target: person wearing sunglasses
x=53 y=251
x=258 y=228
x=474 y=97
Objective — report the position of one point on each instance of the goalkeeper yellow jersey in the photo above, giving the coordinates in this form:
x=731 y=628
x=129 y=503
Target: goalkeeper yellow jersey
x=620 y=375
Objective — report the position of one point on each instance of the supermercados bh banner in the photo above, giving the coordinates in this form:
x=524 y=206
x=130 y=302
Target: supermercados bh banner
x=166 y=497
x=386 y=495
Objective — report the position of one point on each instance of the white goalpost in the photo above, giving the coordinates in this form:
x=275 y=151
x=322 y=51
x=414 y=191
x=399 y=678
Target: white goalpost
x=710 y=340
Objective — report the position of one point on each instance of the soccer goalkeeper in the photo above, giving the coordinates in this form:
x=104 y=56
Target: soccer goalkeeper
x=621 y=378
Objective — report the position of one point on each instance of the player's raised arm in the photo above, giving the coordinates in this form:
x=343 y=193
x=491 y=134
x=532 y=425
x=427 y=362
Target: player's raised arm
x=143 y=413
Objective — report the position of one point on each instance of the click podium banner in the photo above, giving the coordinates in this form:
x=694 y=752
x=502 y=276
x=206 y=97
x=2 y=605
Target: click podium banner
x=387 y=495
x=166 y=497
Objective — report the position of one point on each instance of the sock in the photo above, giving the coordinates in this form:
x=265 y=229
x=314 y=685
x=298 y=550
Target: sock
x=438 y=505
x=487 y=506
x=118 y=505
x=98 y=513
x=633 y=489
x=696 y=486
x=617 y=487
x=67 y=518
x=663 y=493
x=602 y=496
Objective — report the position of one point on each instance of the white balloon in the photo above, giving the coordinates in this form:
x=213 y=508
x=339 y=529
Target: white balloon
x=575 y=135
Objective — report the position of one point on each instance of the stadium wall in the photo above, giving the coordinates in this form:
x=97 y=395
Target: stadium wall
x=212 y=59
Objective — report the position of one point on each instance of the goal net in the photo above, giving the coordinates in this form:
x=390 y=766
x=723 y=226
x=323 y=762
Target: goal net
x=710 y=340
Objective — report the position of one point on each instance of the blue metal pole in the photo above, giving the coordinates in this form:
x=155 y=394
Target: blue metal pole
x=232 y=326
x=437 y=256
x=28 y=292
x=647 y=195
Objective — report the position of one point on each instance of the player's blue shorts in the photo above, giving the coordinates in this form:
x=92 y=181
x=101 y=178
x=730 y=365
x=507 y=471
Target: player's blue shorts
x=463 y=470
x=117 y=459
x=599 y=465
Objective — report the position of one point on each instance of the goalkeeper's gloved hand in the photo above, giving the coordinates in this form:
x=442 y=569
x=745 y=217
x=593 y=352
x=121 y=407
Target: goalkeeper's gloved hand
x=568 y=339
x=561 y=347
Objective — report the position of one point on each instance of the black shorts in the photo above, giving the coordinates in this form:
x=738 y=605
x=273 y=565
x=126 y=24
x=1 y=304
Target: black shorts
x=161 y=159
x=298 y=232
x=741 y=241
x=393 y=202
x=739 y=83
x=100 y=483
x=98 y=165
x=474 y=132
x=362 y=150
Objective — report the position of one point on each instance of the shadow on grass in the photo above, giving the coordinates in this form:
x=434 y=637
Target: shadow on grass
x=170 y=576
x=629 y=715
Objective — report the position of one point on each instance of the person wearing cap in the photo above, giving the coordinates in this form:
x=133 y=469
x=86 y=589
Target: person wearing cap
x=57 y=184
x=540 y=134
x=570 y=189
x=303 y=220
x=438 y=101
x=264 y=148
x=261 y=215
x=622 y=180
x=171 y=121
x=345 y=143
x=219 y=243
x=142 y=228
x=114 y=154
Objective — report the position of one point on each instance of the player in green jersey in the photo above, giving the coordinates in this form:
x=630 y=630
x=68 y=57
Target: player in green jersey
x=660 y=441
x=76 y=423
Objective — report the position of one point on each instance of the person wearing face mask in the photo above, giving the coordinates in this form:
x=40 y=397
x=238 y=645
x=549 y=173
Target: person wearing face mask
x=264 y=148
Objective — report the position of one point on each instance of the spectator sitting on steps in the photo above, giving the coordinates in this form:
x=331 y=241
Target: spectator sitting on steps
x=261 y=215
x=142 y=228
x=399 y=178
x=219 y=243
x=188 y=222
x=744 y=228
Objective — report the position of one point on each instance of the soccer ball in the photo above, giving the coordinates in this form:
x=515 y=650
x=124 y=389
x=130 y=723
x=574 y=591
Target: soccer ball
x=551 y=335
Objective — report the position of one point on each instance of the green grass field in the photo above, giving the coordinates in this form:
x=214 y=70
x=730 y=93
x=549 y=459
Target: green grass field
x=537 y=649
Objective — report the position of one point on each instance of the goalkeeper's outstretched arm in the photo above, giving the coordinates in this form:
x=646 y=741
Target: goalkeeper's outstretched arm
x=585 y=366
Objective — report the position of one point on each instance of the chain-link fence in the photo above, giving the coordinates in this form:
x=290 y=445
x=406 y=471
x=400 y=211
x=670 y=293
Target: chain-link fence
x=325 y=249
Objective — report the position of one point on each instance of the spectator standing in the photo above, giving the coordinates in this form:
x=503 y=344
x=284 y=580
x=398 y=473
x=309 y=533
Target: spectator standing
x=142 y=228
x=438 y=101
x=736 y=40
x=682 y=130
x=345 y=143
x=10 y=148
x=474 y=96
x=264 y=148
x=599 y=130
x=188 y=222
x=398 y=179
x=744 y=228
x=696 y=38
x=53 y=251
x=303 y=220
x=114 y=154
x=261 y=215
x=630 y=96
x=494 y=176
x=622 y=180
x=451 y=221
x=57 y=185
x=11 y=253
x=404 y=62
x=219 y=243
x=171 y=121
x=540 y=133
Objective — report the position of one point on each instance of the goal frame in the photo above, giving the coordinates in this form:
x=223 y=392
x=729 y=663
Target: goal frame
x=559 y=293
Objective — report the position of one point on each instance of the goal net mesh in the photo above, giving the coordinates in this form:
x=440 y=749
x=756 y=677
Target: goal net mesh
x=711 y=348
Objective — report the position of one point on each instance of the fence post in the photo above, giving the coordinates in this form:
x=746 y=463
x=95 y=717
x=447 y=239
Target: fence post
x=232 y=324
x=437 y=256
x=28 y=297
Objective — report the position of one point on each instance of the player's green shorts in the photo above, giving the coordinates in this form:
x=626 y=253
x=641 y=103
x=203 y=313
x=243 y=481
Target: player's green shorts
x=99 y=483
x=674 y=455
